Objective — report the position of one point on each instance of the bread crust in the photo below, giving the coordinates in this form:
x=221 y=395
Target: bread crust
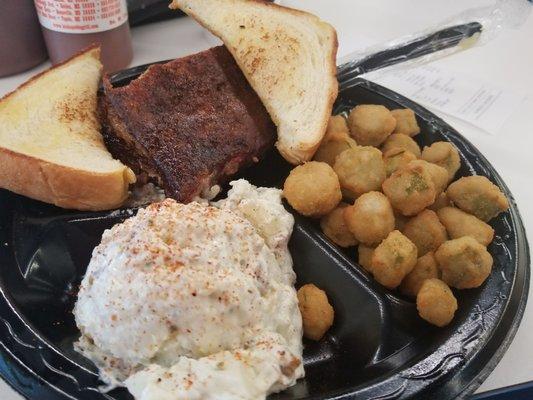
x=94 y=49
x=293 y=152
x=63 y=186
x=305 y=151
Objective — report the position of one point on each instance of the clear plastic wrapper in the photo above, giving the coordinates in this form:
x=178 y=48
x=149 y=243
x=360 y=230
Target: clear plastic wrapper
x=472 y=27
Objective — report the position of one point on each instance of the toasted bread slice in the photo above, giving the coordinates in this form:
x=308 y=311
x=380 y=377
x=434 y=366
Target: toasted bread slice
x=50 y=145
x=288 y=56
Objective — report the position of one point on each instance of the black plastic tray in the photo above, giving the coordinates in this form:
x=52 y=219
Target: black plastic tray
x=378 y=348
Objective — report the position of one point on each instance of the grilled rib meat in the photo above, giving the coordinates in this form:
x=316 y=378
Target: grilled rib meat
x=187 y=124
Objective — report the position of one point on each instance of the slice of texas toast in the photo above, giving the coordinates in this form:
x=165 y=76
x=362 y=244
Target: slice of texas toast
x=288 y=56
x=50 y=145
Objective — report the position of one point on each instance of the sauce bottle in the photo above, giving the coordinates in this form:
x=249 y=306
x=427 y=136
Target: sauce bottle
x=21 y=41
x=72 y=25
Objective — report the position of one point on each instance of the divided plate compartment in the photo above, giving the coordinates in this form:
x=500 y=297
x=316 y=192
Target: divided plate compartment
x=378 y=347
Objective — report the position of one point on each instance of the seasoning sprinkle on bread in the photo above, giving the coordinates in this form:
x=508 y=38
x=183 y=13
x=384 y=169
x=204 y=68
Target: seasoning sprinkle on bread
x=289 y=58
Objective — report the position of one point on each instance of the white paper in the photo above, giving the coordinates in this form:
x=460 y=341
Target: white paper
x=482 y=104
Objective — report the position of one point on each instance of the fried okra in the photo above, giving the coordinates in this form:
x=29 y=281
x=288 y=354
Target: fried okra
x=371 y=124
x=337 y=128
x=425 y=268
x=400 y=220
x=426 y=231
x=312 y=189
x=393 y=259
x=348 y=195
x=410 y=189
x=370 y=218
x=400 y=141
x=444 y=154
x=439 y=175
x=436 y=303
x=336 y=140
x=478 y=196
x=317 y=313
x=396 y=158
x=441 y=201
x=360 y=169
x=405 y=122
x=329 y=150
x=465 y=263
x=459 y=224
x=334 y=227
x=364 y=254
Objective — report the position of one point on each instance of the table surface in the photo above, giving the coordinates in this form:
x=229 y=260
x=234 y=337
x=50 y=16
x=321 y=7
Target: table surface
x=507 y=59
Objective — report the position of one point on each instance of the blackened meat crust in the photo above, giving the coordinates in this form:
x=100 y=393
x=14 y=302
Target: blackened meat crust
x=187 y=124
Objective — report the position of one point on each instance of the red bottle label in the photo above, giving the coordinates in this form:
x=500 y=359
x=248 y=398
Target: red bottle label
x=81 y=16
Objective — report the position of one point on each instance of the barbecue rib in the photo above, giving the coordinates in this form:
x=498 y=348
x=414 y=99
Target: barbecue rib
x=187 y=124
